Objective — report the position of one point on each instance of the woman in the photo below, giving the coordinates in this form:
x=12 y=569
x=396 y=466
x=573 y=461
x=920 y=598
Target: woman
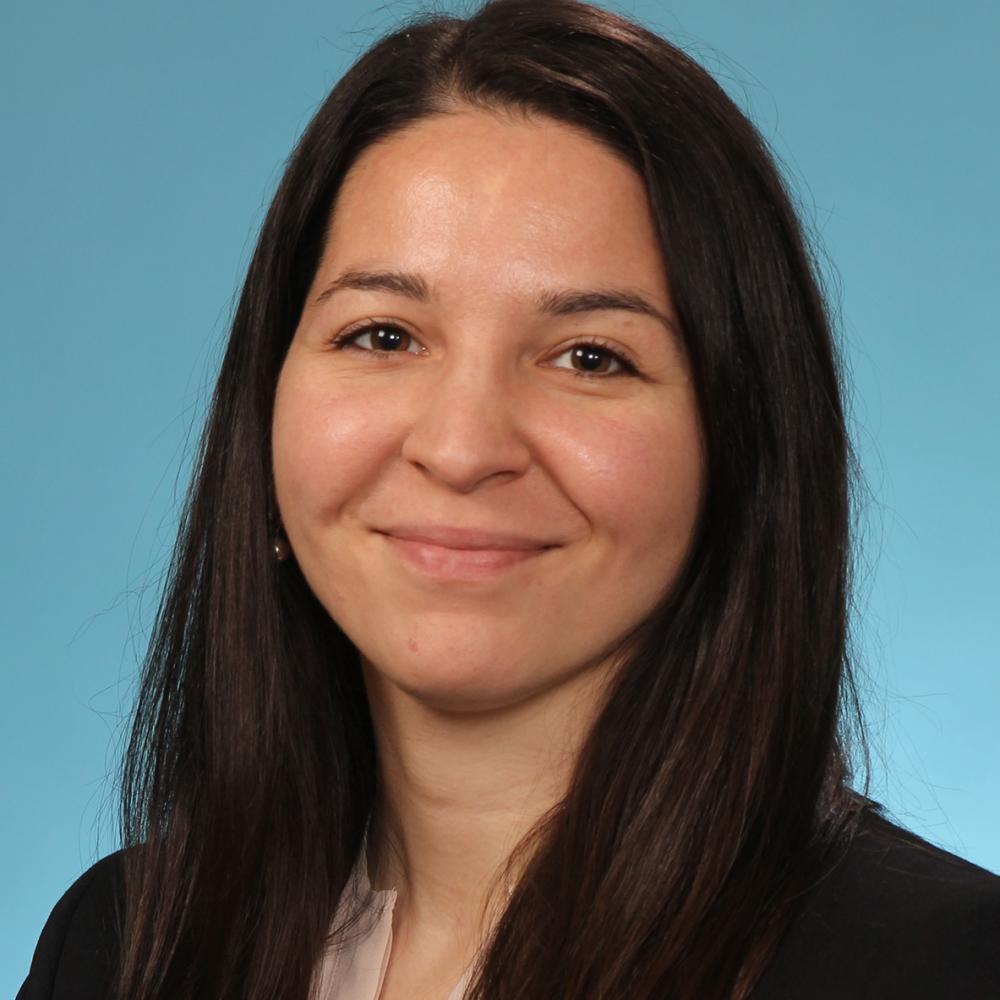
x=504 y=652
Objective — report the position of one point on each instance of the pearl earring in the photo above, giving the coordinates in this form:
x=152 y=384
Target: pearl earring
x=280 y=548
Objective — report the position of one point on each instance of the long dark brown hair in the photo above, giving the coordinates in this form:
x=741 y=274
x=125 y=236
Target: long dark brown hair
x=718 y=776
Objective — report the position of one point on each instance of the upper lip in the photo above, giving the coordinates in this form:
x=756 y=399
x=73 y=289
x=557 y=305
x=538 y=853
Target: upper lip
x=465 y=538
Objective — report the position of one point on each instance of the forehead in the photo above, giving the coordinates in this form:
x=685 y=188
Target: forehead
x=488 y=199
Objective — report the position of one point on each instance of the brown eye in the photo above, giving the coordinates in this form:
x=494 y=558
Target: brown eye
x=386 y=338
x=594 y=360
x=591 y=359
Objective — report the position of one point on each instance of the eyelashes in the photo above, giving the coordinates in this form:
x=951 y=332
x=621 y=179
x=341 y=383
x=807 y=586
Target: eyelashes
x=588 y=347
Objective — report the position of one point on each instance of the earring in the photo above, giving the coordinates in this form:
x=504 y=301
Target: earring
x=280 y=547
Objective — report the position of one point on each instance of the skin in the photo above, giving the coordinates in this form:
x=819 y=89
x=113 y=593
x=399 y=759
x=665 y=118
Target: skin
x=482 y=691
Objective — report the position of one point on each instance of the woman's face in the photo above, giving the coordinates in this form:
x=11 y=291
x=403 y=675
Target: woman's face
x=473 y=252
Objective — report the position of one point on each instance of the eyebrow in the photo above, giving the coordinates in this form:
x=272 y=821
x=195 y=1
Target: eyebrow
x=564 y=302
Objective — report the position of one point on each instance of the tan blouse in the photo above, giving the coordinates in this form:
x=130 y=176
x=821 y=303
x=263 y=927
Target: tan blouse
x=355 y=970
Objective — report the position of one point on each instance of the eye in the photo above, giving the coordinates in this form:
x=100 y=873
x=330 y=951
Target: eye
x=389 y=338
x=597 y=356
x=386 y=338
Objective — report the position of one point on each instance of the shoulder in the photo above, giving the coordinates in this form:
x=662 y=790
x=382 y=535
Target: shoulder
x=76 y=950
x=893 y=915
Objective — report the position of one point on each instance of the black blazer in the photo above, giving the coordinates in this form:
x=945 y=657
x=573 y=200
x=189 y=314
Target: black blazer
x=893 y=918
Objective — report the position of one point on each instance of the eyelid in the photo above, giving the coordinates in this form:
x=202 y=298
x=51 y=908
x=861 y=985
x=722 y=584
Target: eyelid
x=366 y=326
x=627 y=365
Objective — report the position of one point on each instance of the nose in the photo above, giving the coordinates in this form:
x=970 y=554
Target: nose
x=465 y=429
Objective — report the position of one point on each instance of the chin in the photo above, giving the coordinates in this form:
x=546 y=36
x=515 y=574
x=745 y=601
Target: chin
x=465 y=689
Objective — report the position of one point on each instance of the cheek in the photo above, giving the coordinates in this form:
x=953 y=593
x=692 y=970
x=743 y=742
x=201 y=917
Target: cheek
x=326 y=444
x=635 y=477
x=642 y=495
x=638 y=480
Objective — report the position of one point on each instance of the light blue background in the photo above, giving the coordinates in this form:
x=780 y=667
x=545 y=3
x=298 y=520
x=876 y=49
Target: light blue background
x=142 y=142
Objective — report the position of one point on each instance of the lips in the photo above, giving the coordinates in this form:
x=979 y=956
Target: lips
x=454 y=537
x=440 y=563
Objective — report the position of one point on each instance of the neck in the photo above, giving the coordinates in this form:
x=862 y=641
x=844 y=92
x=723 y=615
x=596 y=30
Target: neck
x=456 y=793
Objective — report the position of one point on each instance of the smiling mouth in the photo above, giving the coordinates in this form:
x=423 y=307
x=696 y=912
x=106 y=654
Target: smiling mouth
x=447 y=563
